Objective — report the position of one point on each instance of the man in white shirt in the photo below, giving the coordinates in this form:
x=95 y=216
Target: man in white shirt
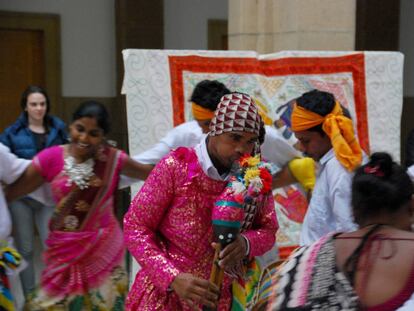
x=327 y=136
x=11 y=168
x=204 y=99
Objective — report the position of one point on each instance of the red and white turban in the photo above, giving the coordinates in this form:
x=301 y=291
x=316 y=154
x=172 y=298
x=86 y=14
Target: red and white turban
x=236 y=112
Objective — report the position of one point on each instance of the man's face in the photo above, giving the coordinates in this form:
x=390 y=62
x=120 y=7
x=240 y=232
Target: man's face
x=313 y=144
x=228 y=147
x=204 y=124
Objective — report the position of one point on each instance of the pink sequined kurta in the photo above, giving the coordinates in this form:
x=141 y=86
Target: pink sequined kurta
x=168 y=230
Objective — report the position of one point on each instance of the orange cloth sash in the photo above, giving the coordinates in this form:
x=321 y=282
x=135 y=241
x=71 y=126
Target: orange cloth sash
x=339 y=129
x=201 y=113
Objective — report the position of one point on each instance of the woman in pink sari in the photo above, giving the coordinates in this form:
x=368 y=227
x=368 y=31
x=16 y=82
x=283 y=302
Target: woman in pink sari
x=85 y=246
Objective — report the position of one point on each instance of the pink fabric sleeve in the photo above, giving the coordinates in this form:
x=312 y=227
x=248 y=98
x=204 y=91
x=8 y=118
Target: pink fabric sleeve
x=143 y=219
x=49 y=162
x=262 y=235
x=122 y=159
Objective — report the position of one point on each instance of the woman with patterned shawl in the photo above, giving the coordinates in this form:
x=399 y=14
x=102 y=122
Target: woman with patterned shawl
x=168 y=227
x=85 y=248
x=371 y=268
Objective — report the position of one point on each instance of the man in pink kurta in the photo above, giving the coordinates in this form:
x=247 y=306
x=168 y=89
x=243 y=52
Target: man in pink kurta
x=168 y=227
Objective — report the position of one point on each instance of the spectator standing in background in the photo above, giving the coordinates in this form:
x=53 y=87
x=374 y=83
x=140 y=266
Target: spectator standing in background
x=33 y=131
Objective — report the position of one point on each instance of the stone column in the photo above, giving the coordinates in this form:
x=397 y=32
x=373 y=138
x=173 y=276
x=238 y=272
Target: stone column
x=268 y=26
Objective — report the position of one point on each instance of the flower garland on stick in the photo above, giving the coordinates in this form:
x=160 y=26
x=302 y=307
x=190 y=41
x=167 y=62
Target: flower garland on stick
x=250 y=178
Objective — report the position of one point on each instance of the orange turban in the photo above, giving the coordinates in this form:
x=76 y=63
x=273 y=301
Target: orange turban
x=339 y=129
x=201 y=113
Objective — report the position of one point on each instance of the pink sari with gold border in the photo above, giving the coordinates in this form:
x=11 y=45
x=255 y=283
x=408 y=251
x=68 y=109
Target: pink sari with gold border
x=85 y=243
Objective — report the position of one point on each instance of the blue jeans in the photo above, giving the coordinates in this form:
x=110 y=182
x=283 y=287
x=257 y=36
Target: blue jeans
x=25 y=214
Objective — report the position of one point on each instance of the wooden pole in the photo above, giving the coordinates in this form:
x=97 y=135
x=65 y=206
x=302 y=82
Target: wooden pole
x=217 y=273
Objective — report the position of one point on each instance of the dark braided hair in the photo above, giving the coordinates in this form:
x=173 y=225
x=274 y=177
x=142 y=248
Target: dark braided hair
x=379 y=185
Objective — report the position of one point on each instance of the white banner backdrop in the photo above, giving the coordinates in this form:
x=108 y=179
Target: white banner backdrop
x=148 y=89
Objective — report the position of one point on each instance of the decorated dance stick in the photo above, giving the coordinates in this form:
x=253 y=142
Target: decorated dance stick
x=250 y=178
x=228 y=215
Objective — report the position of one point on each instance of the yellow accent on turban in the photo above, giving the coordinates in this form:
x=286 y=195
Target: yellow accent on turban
x=263 y=112
x=201 y=113
x=338 y=128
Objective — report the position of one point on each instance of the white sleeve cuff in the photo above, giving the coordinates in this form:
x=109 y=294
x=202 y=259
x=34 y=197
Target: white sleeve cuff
x=247 y=245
